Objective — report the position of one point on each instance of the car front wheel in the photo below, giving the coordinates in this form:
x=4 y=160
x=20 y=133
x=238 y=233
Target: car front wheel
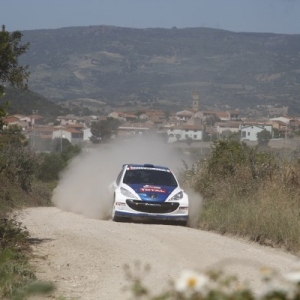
x=116 y=218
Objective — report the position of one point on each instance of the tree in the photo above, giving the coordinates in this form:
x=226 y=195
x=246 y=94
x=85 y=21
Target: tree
x=167 y=114
x=13 y=135
x=264 y=137
x=18 y=164
x=53 y=163
x=10 y=71
x=104 y=129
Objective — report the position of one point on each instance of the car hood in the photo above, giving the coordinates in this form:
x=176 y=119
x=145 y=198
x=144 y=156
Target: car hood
x=153 y=193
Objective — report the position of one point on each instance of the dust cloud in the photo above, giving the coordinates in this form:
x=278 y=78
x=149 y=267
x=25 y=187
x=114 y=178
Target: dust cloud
x=84 y=186
x=195 y=204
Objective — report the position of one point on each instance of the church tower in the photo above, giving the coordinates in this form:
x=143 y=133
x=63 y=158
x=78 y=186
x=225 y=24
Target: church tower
x=195 y=102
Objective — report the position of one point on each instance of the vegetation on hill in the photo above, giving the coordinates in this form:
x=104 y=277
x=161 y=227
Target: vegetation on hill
x=27 y=102
x=164 y=66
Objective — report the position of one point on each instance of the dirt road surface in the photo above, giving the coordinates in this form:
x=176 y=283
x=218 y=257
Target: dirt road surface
x=85 y=257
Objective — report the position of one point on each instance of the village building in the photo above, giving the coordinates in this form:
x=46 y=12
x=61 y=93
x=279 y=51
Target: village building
x=12 y=120
x=133 y=128
x=278 y=111
x=184 y=132
x=184 y=115
x=70 y=119
x=87 y=134
x=74 y=136
x=123 y=116
x=225 y=128
x=249 y=131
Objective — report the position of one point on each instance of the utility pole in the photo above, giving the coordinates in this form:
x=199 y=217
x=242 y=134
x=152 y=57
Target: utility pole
x=211 y=128
x=34 y=112
x=60 y=140
x=62 y=136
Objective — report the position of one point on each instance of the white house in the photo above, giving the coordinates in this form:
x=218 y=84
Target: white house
x=183 y=132
x=233 y=127
x=72 y=135
x=87 y=134
x=249 y=131
x=62 y=134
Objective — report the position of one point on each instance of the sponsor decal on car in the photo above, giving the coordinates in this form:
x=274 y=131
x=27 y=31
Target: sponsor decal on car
x=145 y=168
x=153 y=189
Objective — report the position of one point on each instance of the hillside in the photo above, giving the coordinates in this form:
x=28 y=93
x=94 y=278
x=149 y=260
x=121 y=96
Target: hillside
x=116 y=64
x=24 y=102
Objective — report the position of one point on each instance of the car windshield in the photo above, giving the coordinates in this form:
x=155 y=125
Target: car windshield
x=150 y=177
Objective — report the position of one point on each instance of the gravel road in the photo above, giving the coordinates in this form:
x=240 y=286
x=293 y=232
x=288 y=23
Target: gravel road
x=85 y=257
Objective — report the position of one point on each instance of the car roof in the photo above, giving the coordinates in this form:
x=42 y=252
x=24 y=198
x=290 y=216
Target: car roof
x=148 y=166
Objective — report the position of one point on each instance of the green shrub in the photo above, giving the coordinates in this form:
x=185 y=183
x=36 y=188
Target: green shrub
x=18 y=164
x=51 y=164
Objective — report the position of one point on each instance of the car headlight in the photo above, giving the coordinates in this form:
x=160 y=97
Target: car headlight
x=127 y=193
x=178 y=196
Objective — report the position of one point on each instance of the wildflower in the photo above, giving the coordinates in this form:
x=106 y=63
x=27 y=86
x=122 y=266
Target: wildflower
x=267 y=273
x=191 y=281
x=293 y=276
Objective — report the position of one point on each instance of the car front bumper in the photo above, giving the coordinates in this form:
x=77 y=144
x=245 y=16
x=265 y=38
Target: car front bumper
x=126 y=214
x=137 y=209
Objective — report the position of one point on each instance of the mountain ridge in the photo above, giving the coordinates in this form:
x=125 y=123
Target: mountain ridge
x=153 y=65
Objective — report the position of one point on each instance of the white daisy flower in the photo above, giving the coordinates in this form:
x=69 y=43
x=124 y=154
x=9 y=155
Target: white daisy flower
x=293 y=276
x=191 y=281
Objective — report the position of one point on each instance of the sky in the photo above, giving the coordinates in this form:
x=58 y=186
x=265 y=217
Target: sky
x=275 y=16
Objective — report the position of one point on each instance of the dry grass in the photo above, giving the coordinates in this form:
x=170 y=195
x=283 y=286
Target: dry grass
x=269 y=215
x=258 y=198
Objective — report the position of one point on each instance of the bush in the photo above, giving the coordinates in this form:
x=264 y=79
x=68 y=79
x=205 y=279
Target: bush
x=19 y=165
x=248 y=193
x=53 y=163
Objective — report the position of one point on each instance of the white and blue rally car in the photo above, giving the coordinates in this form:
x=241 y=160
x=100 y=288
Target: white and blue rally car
x=148 y=192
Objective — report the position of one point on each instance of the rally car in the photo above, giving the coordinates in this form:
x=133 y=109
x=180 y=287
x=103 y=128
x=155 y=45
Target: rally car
x=149 y=192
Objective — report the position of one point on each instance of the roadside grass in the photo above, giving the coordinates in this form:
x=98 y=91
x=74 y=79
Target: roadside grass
x=12 y=196
x=17 y=278
x=14 y=270
x=248 y=193
x=268 y=215
x=27 y=180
